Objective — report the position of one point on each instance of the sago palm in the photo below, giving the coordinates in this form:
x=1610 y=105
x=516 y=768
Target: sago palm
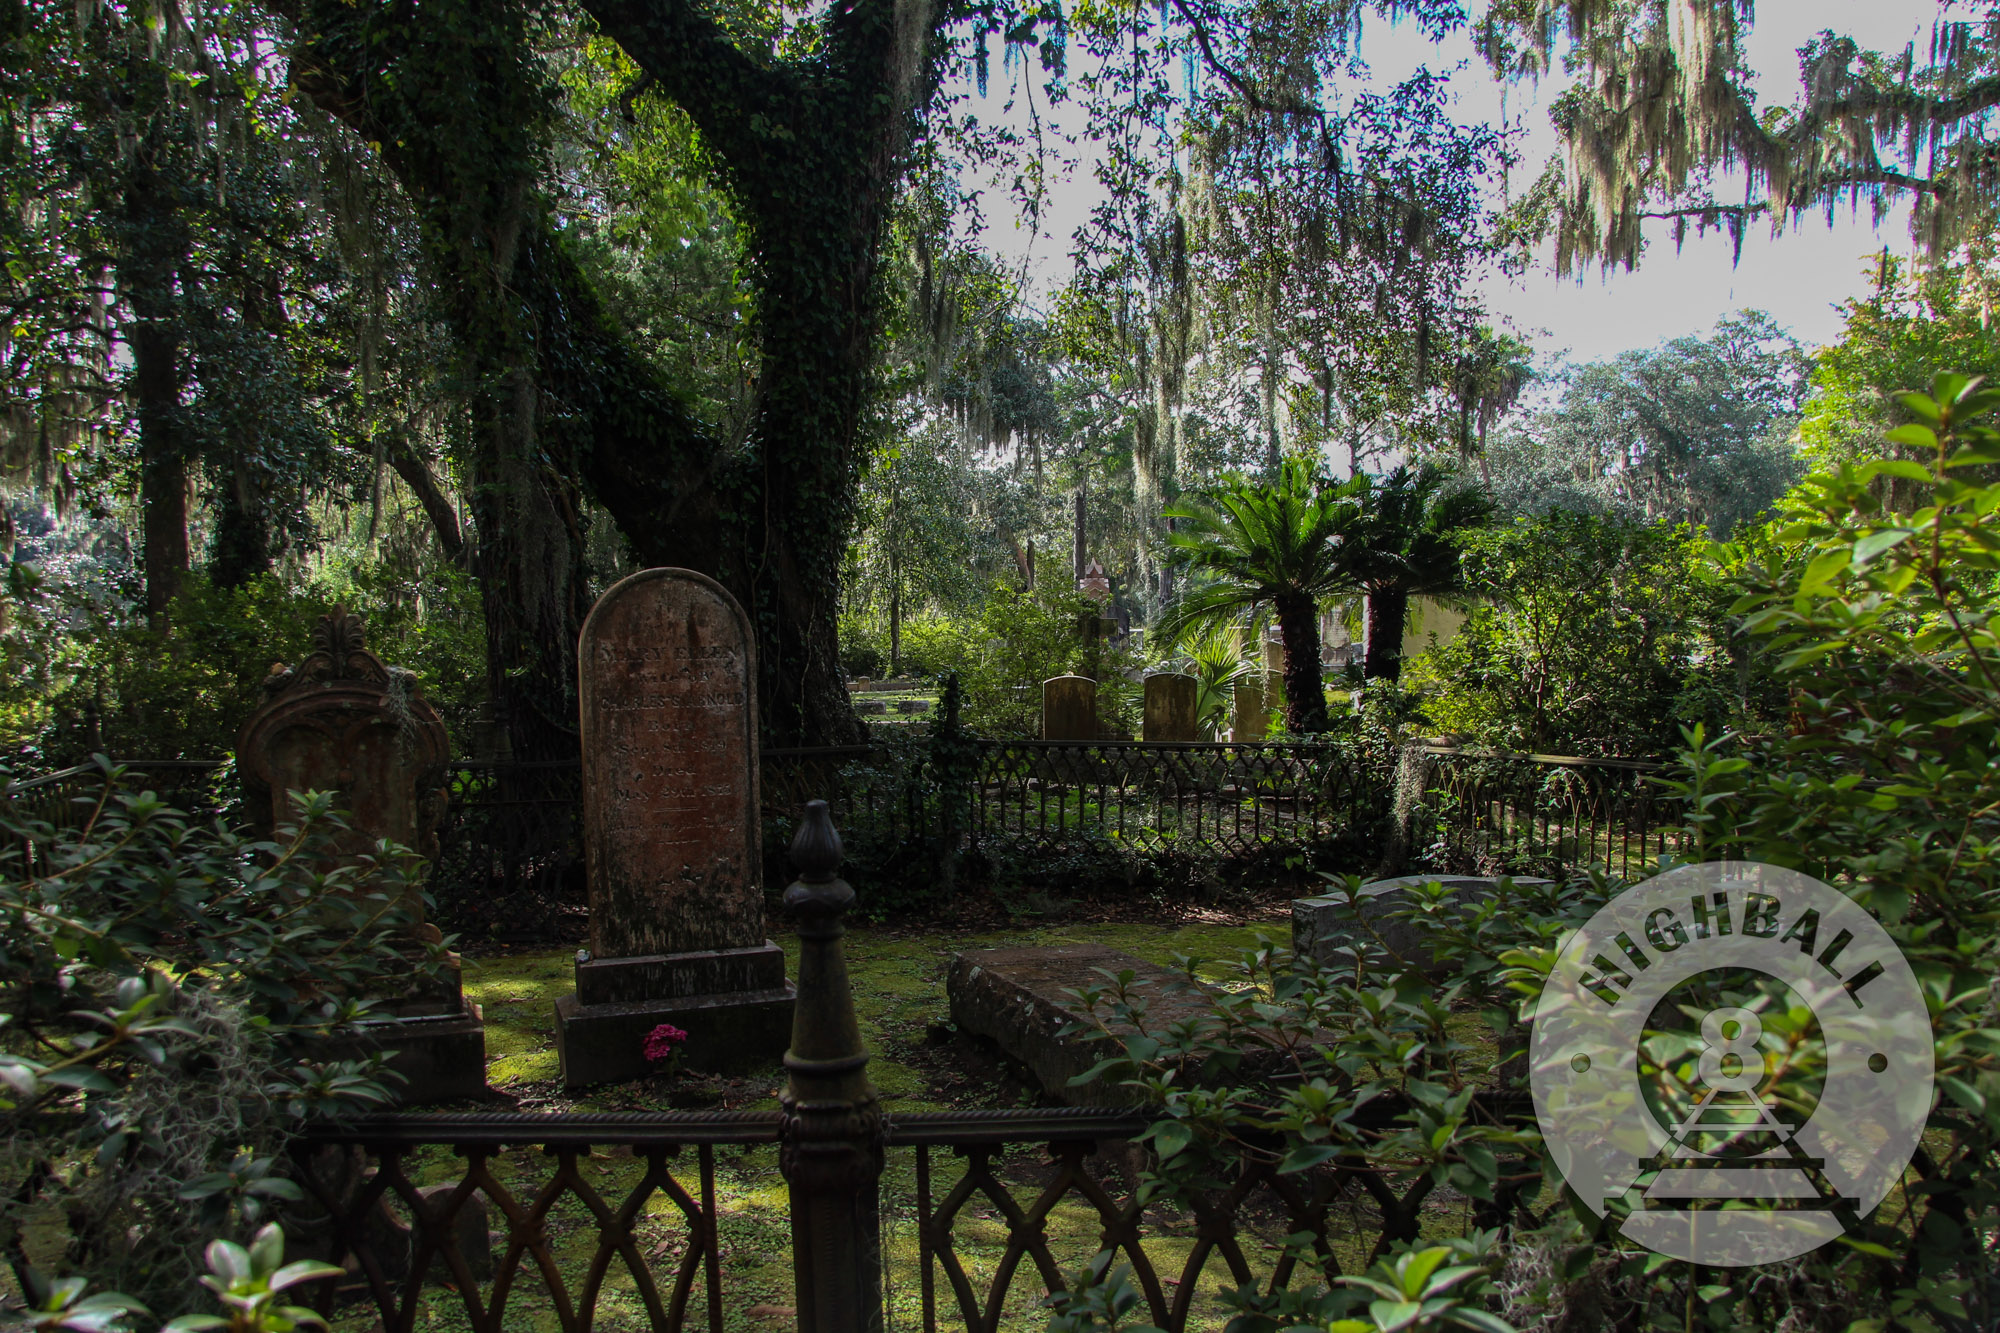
x=1214 y=656
x=1268 y=544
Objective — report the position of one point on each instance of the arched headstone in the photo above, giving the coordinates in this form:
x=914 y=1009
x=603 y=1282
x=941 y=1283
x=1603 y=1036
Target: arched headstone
x=1170 y=708
x=672 y=841
x=1069 y=709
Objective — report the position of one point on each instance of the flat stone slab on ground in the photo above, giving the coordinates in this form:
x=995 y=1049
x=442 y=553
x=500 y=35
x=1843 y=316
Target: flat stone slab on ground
x=1318 y=932
x=1014 y=998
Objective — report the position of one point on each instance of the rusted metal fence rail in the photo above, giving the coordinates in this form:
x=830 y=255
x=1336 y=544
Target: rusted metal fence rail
x=1200 y=798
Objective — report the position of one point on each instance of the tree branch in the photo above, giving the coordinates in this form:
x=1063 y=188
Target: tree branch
x=696 y=63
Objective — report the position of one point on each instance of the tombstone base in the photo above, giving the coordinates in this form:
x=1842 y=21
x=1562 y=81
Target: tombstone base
x=729 y=1031
x=442 y=1057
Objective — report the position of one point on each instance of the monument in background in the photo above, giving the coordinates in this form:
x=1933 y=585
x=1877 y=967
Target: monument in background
x=342 y=721
x=672 y=843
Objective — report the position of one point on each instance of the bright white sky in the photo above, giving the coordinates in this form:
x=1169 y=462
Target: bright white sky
x=1801 y=278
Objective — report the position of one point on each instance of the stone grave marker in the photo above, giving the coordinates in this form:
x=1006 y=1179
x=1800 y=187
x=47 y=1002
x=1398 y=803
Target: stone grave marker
x=342 y=721
x=672 y=840
x=1170 y=708
x=1069 y=709
x=1323 y=928
x=1018 y=999
x=1249 y=717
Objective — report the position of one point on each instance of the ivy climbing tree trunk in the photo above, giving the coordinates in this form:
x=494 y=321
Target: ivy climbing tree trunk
x=811 y=150
x=565 y=407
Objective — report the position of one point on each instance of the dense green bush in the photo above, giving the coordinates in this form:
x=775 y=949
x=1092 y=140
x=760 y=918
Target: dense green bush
x=1592 y=636
x=1021 y=639
x=89 y=675
x=168 y=995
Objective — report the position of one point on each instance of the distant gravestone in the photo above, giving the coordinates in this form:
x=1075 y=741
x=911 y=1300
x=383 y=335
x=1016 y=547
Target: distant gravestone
x=1069 y=709
x=1249 y=717
x=343 y=721
x=1170 y=708
x=672 y=840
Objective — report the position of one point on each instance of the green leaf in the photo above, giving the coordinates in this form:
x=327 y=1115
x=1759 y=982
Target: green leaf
x=1823 y=568
x=1305 y=1156
x=1917 y=437
x=1171 y=1136
x=1877 y=542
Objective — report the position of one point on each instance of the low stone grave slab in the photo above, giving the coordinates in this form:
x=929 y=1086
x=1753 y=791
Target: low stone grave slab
x=1015 y=998
x=1320 y=932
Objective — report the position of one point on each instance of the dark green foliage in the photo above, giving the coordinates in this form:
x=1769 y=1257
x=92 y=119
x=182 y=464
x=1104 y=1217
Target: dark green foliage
x=170 y=989
x=1410 y=543
x=125 y=689
x=1884 y=626
x=1592 y=636
x=1697 y=430
x=1272 y=545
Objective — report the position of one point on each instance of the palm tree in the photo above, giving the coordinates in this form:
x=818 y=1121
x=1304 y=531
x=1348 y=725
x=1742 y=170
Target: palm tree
x=1408 y=545
x=1275 y=544
x=1213 y=654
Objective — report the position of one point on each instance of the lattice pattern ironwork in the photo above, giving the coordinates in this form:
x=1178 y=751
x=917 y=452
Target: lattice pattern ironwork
x=491 y=1233
x=1495 y=812
x=491 y=1236
x=1225 y=799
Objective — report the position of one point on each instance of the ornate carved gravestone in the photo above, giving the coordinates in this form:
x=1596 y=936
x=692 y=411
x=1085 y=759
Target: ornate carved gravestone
x=1069 y=709
x=672 y=839
x=1170 y=708
x=342 y=721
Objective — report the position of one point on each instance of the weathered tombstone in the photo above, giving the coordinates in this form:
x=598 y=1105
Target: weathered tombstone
x=1328 y=928
x=1019 y=998
x=344 y=722
x=672 y=842
x=1249 y=718
x=1170 y=708
x=1069 y=709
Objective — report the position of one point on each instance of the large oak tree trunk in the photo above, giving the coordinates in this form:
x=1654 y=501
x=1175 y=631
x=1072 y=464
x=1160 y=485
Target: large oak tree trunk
x=564 y=406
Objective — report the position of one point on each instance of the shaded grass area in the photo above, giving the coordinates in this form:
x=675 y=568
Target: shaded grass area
x=898 y=980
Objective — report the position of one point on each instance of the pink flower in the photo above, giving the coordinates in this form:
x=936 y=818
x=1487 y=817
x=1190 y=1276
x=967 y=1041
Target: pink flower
x=662 y=1041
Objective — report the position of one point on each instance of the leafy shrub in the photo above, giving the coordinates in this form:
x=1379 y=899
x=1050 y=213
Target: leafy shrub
x=169 y=996
x=1021 y=639
x=1593 y=636
x=1882 y=625
x=103 y=680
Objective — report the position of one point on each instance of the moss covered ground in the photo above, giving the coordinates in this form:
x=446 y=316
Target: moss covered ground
x=898 y=979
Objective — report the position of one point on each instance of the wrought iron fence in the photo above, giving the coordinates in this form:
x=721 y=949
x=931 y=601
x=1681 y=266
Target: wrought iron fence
x=510 y=855
x=1202 y=798
x=1492 y=812
x=575 y=1218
